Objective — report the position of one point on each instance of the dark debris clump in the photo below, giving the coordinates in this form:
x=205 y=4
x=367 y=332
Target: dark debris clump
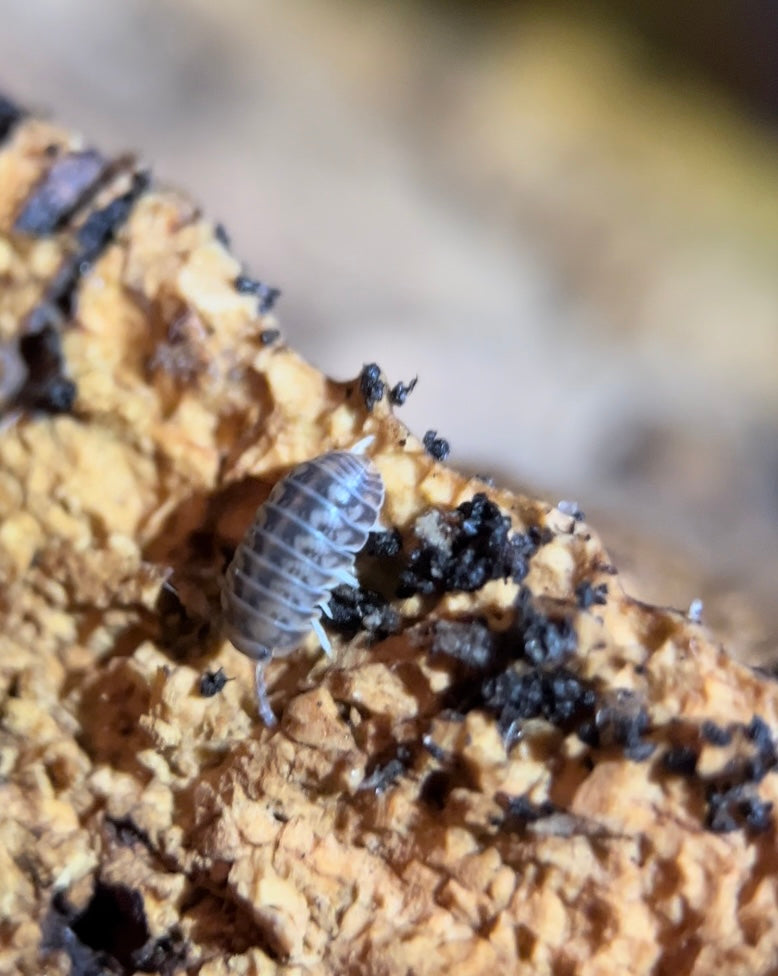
x=354 y=610
x=588 y=595
x=212 y=682
x=620 y=721
x=400 y=392
x=464 y=549
x=736 y=808
x=716 y=735
x=469 y=642
x=732 y=801
x=266 y=295
x=559 y=696
x=437 y=447
x=371 y=386
x=384 y=545
x=547 y=637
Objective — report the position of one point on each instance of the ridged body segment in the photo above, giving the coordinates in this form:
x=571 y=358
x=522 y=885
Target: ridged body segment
x=300 y=546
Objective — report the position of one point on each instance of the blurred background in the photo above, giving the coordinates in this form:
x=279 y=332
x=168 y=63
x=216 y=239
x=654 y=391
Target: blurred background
x=562 y=218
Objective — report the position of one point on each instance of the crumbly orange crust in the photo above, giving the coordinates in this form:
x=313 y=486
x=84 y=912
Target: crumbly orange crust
x=394 y=822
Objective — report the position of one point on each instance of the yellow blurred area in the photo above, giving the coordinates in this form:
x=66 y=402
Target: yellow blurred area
x=569 y=232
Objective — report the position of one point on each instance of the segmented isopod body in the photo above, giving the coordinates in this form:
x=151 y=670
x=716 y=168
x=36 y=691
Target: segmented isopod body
x=300 y=546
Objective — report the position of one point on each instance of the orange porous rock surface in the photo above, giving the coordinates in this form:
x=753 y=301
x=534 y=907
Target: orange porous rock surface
x=509 y=765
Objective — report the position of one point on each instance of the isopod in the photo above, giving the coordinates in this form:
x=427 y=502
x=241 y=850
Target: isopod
x=300 y=546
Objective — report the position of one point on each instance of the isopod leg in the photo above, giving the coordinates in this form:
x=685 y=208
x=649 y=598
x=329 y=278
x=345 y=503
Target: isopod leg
x=323 y=638
x=263 y=702
x=344 y=576
x=361 y=446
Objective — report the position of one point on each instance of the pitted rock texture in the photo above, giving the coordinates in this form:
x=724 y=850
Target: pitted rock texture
x=525 y=772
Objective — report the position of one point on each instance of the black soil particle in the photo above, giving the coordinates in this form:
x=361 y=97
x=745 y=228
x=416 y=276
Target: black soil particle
x=10 y=114
x=212 y=682
x=715 y=734
x=588 y=595
x=371 y=386
x=384 y=545
x=463 y=549
x=557 y=695
x=268 y=336
x=222 y=235
x=732 y=800
x=620 y=722
x=60 y=192
x=758 y=731
x=354 y=610
x=437 y=447
x=736 y=808
x=101 y=225
x=400 y=392
x=266 y=295
x=471 y=643
x=46 y=386
x=547 y=635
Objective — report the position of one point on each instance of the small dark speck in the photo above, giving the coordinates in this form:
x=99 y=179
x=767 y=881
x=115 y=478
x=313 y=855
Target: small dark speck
x=252 y=286
x=221 y=235
x=384 y=544
x=588 y=596
x=640 y=751
x=738 y=807
x=436 y=447
x=401 y=391
x=758 y=731
x=371 y=385
x=269 y=336
x=715 y=734
x=212 y=682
